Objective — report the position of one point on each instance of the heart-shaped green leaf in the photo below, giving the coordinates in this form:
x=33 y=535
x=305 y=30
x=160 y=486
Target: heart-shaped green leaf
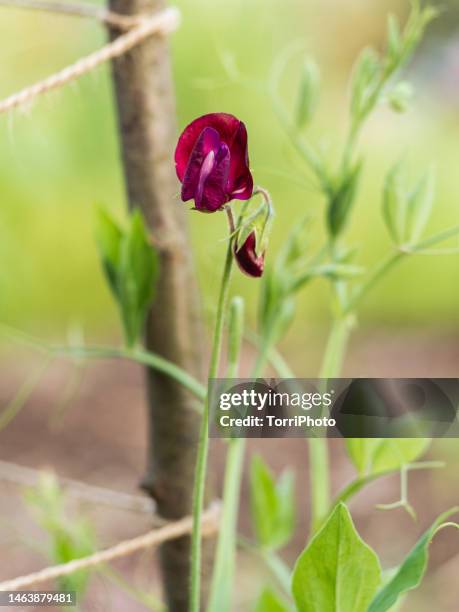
x=337 y=571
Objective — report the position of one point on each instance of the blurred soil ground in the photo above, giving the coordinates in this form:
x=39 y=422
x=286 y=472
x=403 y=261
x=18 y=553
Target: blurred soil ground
x=99 y=438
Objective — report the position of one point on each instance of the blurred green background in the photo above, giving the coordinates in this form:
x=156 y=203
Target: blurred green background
x=60 y=157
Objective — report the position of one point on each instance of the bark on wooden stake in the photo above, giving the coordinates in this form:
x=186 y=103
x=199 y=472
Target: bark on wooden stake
x=146 y=113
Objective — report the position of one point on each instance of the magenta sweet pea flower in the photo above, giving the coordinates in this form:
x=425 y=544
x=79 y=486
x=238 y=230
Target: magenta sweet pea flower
x=212 y=162
x=247 y=259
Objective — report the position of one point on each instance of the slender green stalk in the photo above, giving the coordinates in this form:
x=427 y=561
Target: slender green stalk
x=319 y=480
x=403 y=502
x=339 y=335
x=279 y=364
x=436 y=238
x=331 y=368
x=139 y=356
x=235 y=334
x=220 y=596
x=319 y=471
x=393 y=258
x=222 y=577
x=361 y=481
x=349 y=147
x=203 y=444
x=382 y=269
x=335 y=349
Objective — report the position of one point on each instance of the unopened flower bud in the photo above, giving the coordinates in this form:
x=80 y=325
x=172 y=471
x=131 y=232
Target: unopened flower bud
x=247 y=259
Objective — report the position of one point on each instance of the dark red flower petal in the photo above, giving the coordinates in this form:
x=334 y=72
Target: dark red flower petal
x=240 y=182
x=247 y=259
x=225 y=124
x=207 y=143
x=211 y=193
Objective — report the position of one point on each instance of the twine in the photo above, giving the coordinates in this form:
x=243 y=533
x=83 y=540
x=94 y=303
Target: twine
x=162 y=23
x=139 y=29
x=173 y=530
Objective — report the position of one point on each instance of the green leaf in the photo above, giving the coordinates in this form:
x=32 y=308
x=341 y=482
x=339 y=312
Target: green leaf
x=308 y=93
x=269 y=601
x=411 y=572
x=272 y=505
x=374 y=455
x=108 y=239
x=280 y=281
x=394 y=39
x=131 y=267
x=365 y=80
x=419 y=207
x=391 y=454
x=337 y=572
x=297 y=243
x=407 y=214
x=394 y=205
x=418 y=21
x=260 y=222
x=137 y=275
x=359 y=451
x=402 y=45
x=342 y=200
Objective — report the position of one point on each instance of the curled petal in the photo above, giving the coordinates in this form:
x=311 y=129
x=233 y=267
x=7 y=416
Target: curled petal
x=240 y=182
x=247 y=259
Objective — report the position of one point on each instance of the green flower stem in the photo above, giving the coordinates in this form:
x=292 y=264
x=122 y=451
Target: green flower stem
x=222 y=577
x=403 y=502
x=235 y=334
x=279 y=364
x=393 y=258
x=220 y=594
x=382 y=269
x=435 y=239
x=203 y=444
x=319 y=470
x=361 y=481
x=319 y=481
x=336 y=346
x=109 y=352
x=331 y=367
